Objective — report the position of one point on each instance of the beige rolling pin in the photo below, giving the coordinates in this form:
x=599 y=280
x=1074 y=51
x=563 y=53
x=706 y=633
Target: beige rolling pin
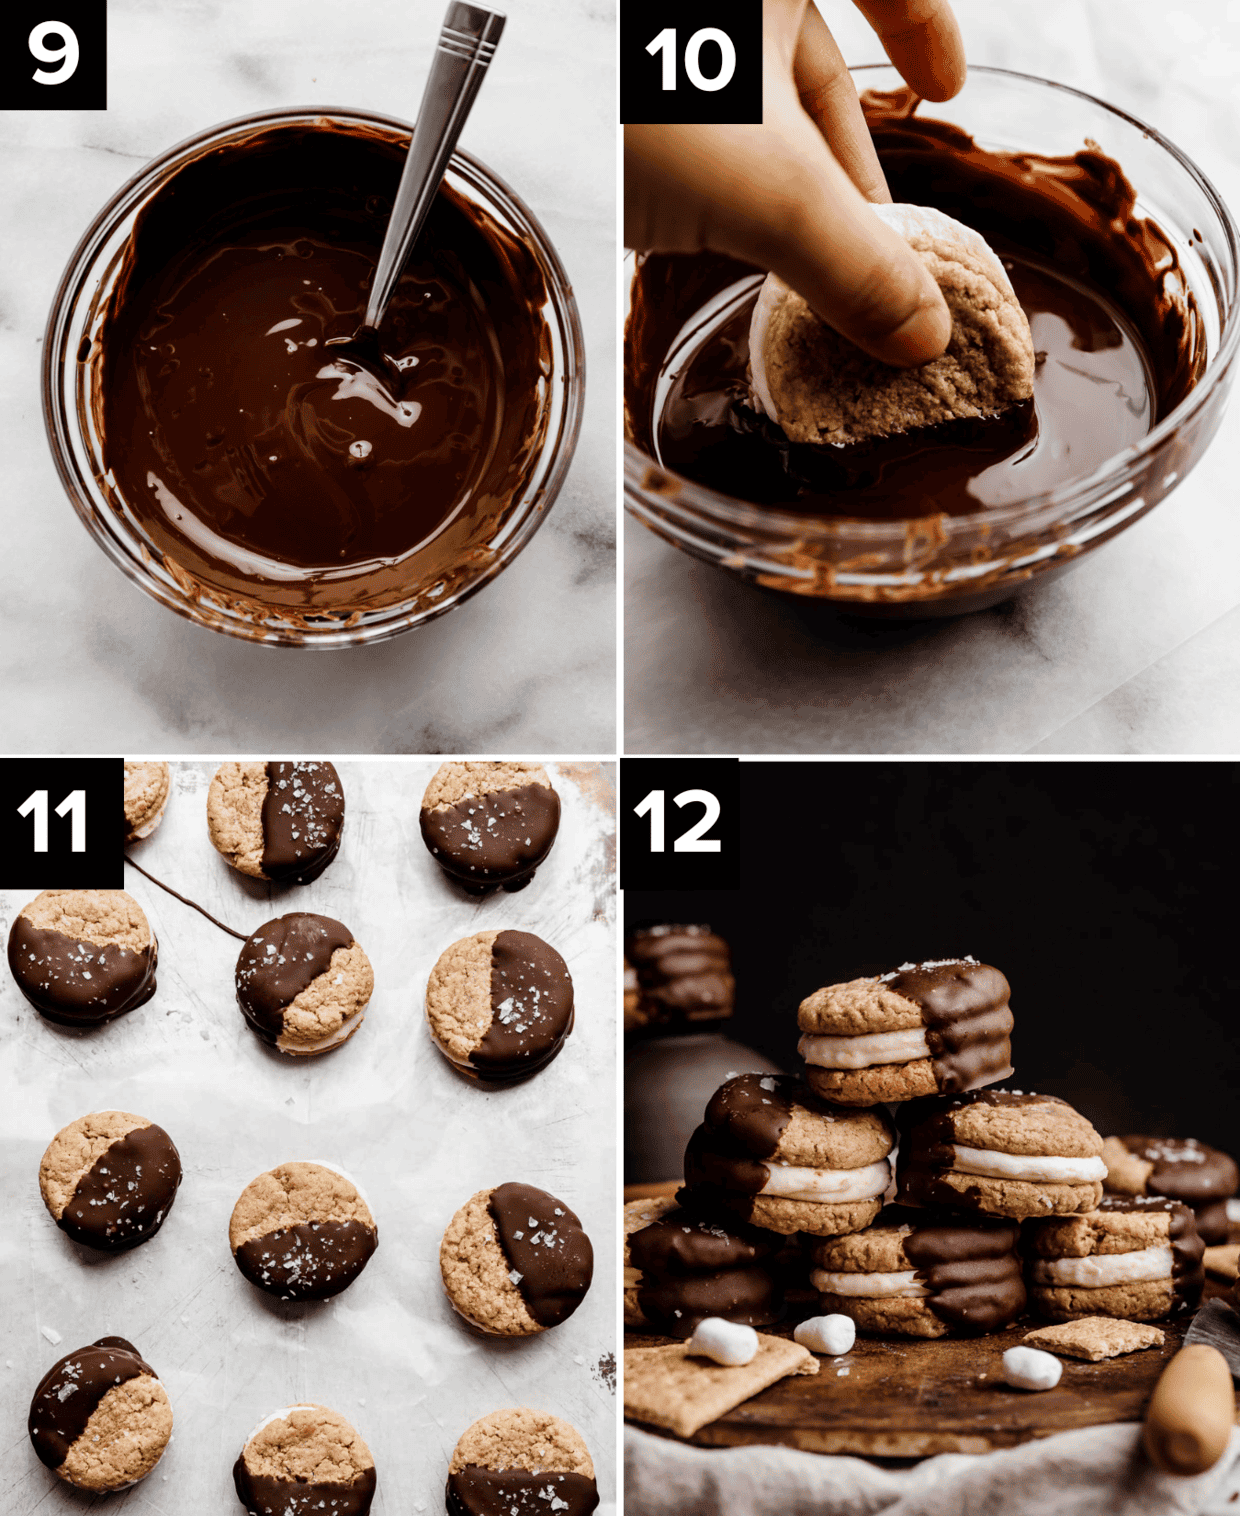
x=1191 y=1412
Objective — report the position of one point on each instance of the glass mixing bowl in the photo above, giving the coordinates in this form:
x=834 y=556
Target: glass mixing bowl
x=944 y=565
x=77 y=312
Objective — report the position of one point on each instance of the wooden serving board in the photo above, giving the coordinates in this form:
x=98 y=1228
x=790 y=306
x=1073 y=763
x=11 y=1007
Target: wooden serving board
x=909 y=1398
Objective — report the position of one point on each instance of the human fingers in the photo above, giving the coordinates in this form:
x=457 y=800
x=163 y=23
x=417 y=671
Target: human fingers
x=829 y=97
x=922 y=39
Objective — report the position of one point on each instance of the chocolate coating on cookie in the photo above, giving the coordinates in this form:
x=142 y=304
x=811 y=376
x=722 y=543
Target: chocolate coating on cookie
x=494 y=840
x=1188 y=1276
x=965 y=1008
x=269 y=1495
x=545 y=1244
x=692 y=1267
x=313 y=1260
x=70 y=1392
x=280 y=960
x=303 y=817
x=1187 y=1170
x=124 y=1197
x=475 y=1491
x=684 y=974
x=279 y=1473
x=531 y=1008
x=73 y=981
x=971 y=1269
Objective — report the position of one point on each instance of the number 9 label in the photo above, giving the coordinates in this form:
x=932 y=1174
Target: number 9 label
x=65 y=56
x=55 y=55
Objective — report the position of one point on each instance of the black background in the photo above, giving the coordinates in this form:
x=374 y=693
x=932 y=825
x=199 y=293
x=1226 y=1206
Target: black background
x=86 y=89
x=1106 y=892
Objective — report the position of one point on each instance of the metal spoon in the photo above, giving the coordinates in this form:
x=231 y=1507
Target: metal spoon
x=466 y=46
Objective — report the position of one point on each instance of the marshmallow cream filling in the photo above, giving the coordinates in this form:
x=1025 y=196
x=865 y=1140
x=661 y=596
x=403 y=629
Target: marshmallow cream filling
x=899 y=1282
x=792 y=1183
x=1098 y=1271
x=866 y=1051
x=1037 y=1167
x=342 y=1034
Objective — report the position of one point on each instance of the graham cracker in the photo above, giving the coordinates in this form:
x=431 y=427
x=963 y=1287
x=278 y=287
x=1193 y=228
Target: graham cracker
x=1096 y=1337
x=670 y=1387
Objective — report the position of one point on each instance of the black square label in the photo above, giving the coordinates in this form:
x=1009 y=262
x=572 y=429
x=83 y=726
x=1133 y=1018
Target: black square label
x=62 y=823
x=54 y=55
x=679 y=823
x=691 y=62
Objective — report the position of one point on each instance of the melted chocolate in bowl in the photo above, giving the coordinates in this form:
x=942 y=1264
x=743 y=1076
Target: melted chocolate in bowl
x=1118 y=338
x=273 y=462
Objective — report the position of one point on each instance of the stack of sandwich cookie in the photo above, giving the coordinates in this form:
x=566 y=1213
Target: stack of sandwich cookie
x=146 y=795
x=1000 y=1151
x=521 y=1462
x=1180 y=1168
x=302 y=1231
x=774 y=1154
x=923 y=1274
x=83 y=957
x=278 y=821
x=684 y=974
x=490 y=825
x=1135 y=1258
x=924 y=1028
x=680 y=1268
x=303 y=1460
x=100 y=1417
x=303 y=983
x=109 y=1179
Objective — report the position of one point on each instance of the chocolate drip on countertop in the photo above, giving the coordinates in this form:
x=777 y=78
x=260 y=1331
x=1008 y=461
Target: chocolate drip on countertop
x=184 y=899
x=303 y=816
x=475 y=1491
x=531 y=1008
x=70 y=1391
x=76 y=983
x=968 y=1021
x=496 y=839
x=265 y=1495
x=313 y=1260
x=123 y=1198
x=972 y=1270
x=543 y=1241
x=1187 y=1247
x=269 y=982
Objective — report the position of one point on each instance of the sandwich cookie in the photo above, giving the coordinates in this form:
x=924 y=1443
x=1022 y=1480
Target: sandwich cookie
x=774 y=1154
x=680 y=1269
x=923 y=1274
x=146 y=795
x=684 y=974
x=521 y=1463
x=999 y=1151
x=305 y=1460
x=1181 y=1168
x=489 y=825
x=277 y=821
x=109 y=1179
x=83 y=957
x=100 y=1417
x=302 y=1231
x=922 y=1029
x=1136 y=1258
x=634 y=1015
x=515 y=1261
x=303 y=983
x=499 y=1005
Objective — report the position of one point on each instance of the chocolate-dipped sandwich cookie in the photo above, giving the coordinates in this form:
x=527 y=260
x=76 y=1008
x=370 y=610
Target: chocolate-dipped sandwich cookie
x=521 y=1462
x=303 y=983
x=680 y=1268
x=277 y=821
x=489 y=825
x=146 y=796
x=684 y=974
x=1136 y=1258
x=499 y=1005
x=100 y=1417
x=302 y=1461
x=1001 y=1151
x=83 y=957
x=1180 y=1168
x=302 y=1231
x=918 y=1273
x=773 y=1153
x=922 y=1029
x=515 y=1261
x=109 y=1179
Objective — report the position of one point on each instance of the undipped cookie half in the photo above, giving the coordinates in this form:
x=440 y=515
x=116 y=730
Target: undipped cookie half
x=515 y=1261
x=521 y=1462
x=146 y=795
x=109 y=1179
x=1181 y=1168
x=303 y=983
x=305 y=1460
x=302 y=1231
x=83 y=957
x=500 y=1005
x=278 y=821
x=100 y=1417
x=489 y=825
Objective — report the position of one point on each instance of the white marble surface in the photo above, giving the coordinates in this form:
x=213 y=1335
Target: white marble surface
x=88 y=662
x=389 y=1353
x=1136 y=650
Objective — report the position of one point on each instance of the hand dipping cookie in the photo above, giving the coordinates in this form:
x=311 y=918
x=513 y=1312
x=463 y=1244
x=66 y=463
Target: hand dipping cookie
x=278 y=821
x=521 y=1462
x=303 y=983
x=305 y=1459
x=83 y=957
x=303 y=1231
x=489 y=825
x=109 y=1179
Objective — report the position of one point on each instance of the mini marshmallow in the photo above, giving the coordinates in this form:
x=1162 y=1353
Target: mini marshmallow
x=827 y=1334
x=1031 y=1369
x=726 y=1341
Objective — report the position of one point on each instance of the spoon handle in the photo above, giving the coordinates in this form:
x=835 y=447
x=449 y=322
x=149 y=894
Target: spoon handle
x=466 y=46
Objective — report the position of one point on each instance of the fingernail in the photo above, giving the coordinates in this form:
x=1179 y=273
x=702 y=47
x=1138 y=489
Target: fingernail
x=923 y=337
